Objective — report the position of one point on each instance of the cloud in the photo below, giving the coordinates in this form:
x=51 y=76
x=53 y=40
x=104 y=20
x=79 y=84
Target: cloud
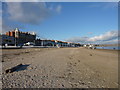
x=33 y=13
x=111 y=36
x=105 y=37
x=115 y=41
x=77 y=39
x=90 y=32
x=55 y=8
x=7 y=27
x=30 y=13
x=58 y=8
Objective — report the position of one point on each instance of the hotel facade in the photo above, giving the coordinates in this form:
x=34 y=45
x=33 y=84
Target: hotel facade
x=21 y=37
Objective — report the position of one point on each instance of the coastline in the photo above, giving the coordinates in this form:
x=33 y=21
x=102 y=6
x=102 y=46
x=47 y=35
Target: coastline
x=108 y=50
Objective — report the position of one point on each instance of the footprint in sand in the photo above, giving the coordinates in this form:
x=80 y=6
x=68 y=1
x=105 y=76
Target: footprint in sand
x=70 y=58
x=78 y=60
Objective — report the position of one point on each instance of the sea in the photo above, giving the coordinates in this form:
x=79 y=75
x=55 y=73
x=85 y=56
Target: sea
x=109 y=47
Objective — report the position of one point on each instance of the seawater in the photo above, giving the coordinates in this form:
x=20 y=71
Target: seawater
x=110 y=47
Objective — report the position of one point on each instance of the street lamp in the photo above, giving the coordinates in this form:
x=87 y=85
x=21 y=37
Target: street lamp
x=15 y=41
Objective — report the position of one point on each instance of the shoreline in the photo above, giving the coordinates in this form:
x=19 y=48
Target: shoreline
x=30 y=50
x=23 y=50
x=108 y=49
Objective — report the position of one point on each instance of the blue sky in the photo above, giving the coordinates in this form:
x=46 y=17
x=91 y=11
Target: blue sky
x=66 y=21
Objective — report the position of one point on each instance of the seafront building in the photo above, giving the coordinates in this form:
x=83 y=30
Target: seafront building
x=7 y=40
x=21 y=37
x=39 y=42
x=17 y=37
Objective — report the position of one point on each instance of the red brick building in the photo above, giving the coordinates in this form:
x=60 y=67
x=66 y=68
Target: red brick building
x=21 y=37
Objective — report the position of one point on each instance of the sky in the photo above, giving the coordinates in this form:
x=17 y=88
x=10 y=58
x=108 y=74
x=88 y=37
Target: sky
x=81 y=22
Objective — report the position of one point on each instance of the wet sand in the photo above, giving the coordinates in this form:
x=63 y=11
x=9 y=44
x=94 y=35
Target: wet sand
x=61 y=68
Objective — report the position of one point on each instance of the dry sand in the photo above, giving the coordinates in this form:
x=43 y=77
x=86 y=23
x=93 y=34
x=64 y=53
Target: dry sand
x=61 y=68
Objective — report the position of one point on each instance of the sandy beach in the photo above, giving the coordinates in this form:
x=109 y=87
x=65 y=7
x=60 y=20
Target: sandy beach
x=60 y=68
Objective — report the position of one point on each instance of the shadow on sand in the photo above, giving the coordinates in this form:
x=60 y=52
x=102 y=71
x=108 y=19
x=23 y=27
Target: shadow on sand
x=17 y=68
